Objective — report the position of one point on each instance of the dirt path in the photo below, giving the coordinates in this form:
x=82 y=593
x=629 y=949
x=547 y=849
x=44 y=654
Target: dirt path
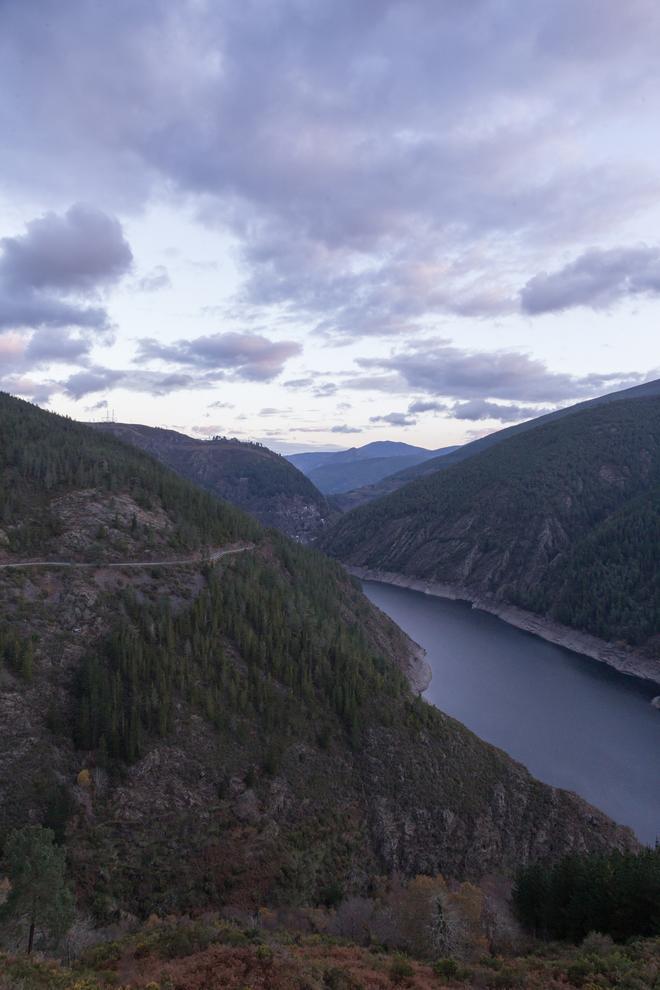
x=179 y=562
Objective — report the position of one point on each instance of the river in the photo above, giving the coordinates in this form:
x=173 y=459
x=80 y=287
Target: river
x=572 y=721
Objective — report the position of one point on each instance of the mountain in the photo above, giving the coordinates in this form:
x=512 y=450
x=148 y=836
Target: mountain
x=239 y=730
x=340 y=471
x=562 y=520
x=394 y=481
x=248 y=475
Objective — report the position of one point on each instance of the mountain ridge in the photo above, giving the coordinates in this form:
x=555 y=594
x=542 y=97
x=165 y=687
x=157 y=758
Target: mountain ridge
x=561 y=521
x=352 y=499
x=248 y=475
x=335 y=472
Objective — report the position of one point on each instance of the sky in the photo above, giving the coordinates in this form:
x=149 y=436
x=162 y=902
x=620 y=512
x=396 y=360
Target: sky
x=319 y=223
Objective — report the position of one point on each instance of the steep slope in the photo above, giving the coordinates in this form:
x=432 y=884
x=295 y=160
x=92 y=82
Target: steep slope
x=347 y=469
x=561 y=520
x=246 y=474
x=233 y=732
x=396 y=480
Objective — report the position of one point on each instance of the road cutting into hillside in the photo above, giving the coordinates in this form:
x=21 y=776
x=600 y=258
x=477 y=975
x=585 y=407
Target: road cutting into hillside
x=207 y=558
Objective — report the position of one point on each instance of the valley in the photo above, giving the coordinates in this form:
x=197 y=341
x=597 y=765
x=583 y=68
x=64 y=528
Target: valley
x=329 y=495
x=572 y=721
x=256 y=704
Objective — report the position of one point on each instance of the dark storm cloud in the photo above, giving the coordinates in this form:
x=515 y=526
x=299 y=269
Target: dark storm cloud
x=350 y=147
x=439 y=368
x=248 y=356
x=596 y=278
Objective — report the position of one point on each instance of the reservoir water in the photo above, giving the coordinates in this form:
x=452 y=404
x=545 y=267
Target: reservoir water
x=572 y=721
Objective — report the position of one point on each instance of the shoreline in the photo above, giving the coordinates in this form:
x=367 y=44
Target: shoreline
x=621 y=658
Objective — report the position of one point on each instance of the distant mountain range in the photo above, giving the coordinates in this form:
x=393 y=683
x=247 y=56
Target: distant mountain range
x=248 y=475
x=334 y=472
x=560 y=516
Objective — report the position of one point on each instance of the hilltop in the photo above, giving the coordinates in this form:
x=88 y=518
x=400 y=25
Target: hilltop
x=562 y=520
x=240 y=732
x=335 y=472
x=248 y=475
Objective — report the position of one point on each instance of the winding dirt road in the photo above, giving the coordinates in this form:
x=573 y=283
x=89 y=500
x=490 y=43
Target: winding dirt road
x=212 y=556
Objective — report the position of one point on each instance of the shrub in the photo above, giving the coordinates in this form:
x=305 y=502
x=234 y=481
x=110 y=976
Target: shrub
x=447 y=968
x=400 y=969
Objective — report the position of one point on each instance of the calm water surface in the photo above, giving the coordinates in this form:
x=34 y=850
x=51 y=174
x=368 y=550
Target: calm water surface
x=573 y=721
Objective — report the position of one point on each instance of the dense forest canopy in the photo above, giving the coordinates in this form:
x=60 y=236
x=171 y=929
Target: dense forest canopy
x=562 y=519
x=43 y=456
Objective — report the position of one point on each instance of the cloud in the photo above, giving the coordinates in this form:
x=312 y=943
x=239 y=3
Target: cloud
x=299 y=383
x=325 y=391
x=396 y=137
x=248 y=356
x=99 y=379
x=221 y=405
x=82 y=250
x=439 y=368
x=155 y=280
x=59 y=261
x=340 y=428
x=597 y=278
x=394 y=419
x=426 y=405
x=271 y=411
x=47 y=346
x=478 y=409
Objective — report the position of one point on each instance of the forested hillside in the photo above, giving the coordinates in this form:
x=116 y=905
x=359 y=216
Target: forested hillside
x=392 y=482
x=248 y=475
x=239 y=732
x=561 y=520
x=50 y=467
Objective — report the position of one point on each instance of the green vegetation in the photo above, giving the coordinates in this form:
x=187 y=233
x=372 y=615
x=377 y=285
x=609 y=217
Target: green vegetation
x=38 y=898
x=220 y=955
x=248 y=475
x=610 y=582
x=17 y=652
x=43 y=456
x=285 y=621
x=562 y=519
x=283 y=759
x=616 y=894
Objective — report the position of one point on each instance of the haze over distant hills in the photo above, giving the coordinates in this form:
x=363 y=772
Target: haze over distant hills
x=340 y=471
x=248 y=475
x=560 y=516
